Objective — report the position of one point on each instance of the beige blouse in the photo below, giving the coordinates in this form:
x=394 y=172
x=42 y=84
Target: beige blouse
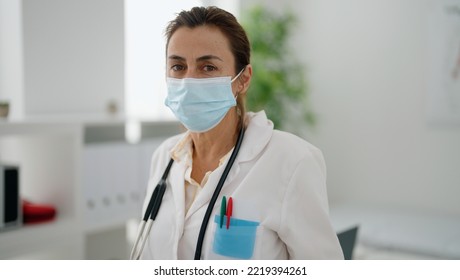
x=183 y=151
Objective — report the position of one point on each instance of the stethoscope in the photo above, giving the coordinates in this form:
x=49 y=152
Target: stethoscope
x=157 y=196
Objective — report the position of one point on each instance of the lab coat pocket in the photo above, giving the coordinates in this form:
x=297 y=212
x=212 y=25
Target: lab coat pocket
x=237 y=241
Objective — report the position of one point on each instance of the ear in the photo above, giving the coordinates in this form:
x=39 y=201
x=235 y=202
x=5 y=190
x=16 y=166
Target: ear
x=245 y=79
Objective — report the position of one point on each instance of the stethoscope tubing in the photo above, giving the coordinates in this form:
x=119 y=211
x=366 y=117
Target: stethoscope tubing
x=150 y=214
x=136 y=250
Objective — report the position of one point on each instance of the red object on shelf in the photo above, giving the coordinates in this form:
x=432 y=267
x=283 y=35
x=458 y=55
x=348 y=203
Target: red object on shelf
x=37 y=213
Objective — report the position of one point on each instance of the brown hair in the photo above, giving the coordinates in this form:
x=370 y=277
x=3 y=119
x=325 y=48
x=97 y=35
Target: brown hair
x=228 y=25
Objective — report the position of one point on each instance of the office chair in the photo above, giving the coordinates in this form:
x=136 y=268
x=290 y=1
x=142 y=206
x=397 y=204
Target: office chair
x=347 y=241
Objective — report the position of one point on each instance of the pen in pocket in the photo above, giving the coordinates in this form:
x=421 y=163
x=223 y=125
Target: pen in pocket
x=223 y=209
x=229 y=211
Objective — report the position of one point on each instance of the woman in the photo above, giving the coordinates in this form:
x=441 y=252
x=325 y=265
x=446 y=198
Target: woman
x=273 y=202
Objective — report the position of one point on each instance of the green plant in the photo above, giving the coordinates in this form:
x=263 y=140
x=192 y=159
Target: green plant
x=278 y=84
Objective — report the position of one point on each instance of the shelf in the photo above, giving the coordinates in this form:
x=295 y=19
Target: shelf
x=93 y=129
x=29 y=239
x=48 y=157
x=34 y=128
x=55 y=156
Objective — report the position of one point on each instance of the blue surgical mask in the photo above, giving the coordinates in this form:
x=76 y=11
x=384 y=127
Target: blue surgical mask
x=200 y=104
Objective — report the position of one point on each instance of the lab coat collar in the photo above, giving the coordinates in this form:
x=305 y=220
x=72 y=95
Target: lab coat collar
x=256 y=138
x=257 y=135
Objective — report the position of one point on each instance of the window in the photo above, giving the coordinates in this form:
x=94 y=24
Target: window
x=145 y=88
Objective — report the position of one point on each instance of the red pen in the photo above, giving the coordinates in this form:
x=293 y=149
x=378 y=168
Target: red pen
x=229 y=211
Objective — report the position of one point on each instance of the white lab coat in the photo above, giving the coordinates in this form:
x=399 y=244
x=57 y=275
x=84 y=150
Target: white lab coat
x=277 y=180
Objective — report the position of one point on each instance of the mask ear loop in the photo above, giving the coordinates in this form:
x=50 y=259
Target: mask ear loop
x=236 y=77
x=239 y=74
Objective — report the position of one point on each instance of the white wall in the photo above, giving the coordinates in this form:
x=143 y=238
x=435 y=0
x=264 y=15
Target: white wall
x=11 y=68
x=368 y=69
x=73 y=56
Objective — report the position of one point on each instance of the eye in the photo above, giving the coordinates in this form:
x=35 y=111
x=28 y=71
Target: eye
x=209 y=68
x=177 y=67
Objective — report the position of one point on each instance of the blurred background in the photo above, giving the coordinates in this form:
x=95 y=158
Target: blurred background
x=81 y=98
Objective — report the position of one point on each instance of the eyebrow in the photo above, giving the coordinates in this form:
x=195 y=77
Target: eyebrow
x=201 y=58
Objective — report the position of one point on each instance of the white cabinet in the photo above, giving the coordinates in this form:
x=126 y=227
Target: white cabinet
x=114 y=181
x=49 y=157
x=94 y=178
x=62 y=57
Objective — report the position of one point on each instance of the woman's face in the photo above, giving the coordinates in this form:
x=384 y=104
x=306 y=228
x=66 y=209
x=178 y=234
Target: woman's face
x=200 y=52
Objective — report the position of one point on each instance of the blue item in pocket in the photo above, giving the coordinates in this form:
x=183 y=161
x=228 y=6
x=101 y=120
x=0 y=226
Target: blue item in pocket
x=237 y=241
